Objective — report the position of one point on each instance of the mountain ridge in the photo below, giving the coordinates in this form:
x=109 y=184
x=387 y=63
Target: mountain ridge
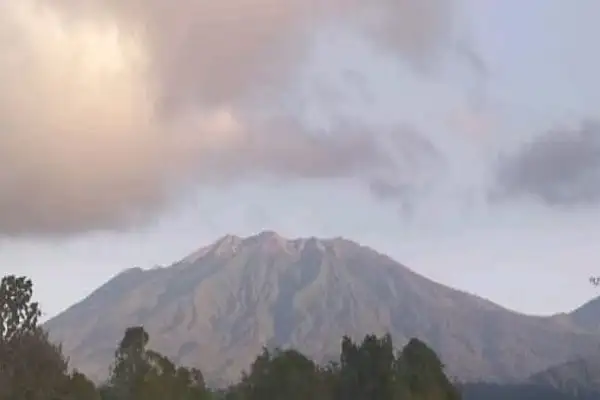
x=218 y=306
x=581 y=374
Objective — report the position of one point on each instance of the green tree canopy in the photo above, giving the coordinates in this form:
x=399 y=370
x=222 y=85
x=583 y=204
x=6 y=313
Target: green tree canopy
x=140 y=373
x=31 y=367
x=280 y=374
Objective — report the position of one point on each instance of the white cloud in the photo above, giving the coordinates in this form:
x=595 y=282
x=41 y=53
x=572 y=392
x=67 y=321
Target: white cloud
x=106 y=106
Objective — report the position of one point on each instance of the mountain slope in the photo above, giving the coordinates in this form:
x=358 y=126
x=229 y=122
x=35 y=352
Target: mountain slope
x=522 y=391
x=587 y=317
x=582 y=374
x=216 y=308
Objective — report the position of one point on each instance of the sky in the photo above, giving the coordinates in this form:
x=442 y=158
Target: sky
x=460 y=137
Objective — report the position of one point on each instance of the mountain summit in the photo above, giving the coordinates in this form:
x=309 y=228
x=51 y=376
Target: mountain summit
x=216 y=308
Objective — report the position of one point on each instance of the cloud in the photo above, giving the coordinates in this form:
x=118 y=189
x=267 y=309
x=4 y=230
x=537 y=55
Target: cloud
x=417 y=162
x=285 y=147
x=213 y=52
x=108 y=108
x=561 y=168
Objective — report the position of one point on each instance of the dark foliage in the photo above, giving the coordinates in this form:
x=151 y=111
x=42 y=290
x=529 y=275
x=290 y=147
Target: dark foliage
x=33 y=368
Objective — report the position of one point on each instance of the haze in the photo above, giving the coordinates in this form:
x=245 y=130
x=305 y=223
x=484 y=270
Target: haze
x=459 y=137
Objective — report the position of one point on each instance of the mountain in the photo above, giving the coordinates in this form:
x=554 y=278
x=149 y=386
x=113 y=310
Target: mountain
x=522 y=391
x=581 y=374
x=216 y=308
x=587 y=316
x=575 y=376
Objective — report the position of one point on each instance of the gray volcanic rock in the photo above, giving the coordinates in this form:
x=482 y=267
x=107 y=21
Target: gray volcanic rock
x=575 y=376
x=587 y=317
x=216 y=309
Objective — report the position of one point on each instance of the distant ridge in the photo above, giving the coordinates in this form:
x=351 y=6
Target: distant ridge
x=582 y=374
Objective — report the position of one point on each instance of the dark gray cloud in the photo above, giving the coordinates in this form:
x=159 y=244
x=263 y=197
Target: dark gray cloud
x=559 y=168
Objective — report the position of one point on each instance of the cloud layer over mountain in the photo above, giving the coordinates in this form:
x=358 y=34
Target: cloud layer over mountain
x=108 y=106
x=110 y=109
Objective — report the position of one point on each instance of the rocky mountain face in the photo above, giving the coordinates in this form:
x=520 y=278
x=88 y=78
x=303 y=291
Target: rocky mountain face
x=587 y=317
x=216 y=309
x=580 y=374
x=574 y=376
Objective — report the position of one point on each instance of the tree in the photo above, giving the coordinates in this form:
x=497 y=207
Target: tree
x=368 y=370
x=131 y=366
x=140 y=373
x=329 y=375
x=281 y=374
x=31 y=367
x=18 y=314
x=79 y=387
x=167 y=381
x=374 y=370
x=423 y=372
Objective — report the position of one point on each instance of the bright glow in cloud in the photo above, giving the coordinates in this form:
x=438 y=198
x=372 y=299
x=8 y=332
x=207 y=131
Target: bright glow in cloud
x=106 y=106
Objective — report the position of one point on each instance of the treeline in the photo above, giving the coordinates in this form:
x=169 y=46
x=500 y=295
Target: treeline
x=33 y=368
